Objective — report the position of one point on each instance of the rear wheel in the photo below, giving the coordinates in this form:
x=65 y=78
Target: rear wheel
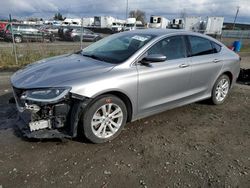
x=104 y=119
x=18 y=39
x=76 y=38
x=52 y=39
x=97 y=38
x=220 y=89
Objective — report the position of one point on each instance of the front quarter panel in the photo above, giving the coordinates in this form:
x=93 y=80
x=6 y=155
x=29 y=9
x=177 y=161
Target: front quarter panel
x=119 y=79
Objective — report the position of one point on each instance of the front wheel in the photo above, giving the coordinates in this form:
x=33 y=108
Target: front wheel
x=52 y=39
x=220 y=90
x=104 y=119
x=76 y=38
x=18 y=39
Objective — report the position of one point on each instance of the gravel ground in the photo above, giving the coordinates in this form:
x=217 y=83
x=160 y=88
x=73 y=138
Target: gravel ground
x=198 y=145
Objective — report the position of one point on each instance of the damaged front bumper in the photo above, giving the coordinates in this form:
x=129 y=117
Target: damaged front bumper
x=57 y=119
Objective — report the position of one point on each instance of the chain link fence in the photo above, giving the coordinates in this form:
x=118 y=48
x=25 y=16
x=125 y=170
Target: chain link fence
x=240 y=34
x=28 y=52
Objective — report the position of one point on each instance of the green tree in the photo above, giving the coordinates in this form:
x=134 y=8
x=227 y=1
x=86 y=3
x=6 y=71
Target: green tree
x=58 y=16
x=139 y=15
x=32 y=19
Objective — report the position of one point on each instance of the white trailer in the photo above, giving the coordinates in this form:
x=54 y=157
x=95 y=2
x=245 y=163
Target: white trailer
x=103 y=21
x=214 y=25
x=192 y=23
x=159 y=22
x=72 y=21
x=86 y=22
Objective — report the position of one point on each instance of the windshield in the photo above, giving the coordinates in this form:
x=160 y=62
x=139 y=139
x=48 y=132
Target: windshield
x=117 y=48
x=129 y=25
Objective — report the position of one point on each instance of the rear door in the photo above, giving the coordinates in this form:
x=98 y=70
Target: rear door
x=88 y=35
x=27 y=32
x=206 y=63
x=37 y=35
x=164 y=83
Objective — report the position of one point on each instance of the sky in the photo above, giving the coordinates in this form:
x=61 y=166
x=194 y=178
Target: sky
x=117 y=8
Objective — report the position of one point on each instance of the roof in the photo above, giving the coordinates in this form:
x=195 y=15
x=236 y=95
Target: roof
x=160 y=32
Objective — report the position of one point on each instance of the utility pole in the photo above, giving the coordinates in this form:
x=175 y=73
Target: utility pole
x=127 y=10
x=236 y=15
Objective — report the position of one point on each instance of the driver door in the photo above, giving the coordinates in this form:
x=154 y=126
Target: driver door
x=164 y=84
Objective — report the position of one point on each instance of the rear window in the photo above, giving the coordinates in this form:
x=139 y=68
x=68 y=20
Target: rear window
x=217 y=47
x=14 y=27
x=200 y=46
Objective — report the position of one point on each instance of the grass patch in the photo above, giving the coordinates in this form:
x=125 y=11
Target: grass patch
x=30 y=52
x=245 y=48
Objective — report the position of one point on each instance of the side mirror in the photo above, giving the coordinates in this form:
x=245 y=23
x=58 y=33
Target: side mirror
x=153 y=58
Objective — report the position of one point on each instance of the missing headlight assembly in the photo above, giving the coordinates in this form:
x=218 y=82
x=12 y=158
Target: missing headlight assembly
x=47 y=113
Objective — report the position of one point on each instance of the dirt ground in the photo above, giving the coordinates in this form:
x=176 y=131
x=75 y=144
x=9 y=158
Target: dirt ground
x=198 y=145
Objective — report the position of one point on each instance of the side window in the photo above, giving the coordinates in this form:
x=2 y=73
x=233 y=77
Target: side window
x=171 y=47
x=217 y=47
x=14 y=27
x=88 y=31
x=200 y=46
x=22 y=28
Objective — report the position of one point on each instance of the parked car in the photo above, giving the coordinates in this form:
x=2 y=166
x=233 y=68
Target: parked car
x=121 y=78
x=63 y=29
x=24 y=32
x=87 y=35
x=2 y=33
x=50 y=28
x=2 y=28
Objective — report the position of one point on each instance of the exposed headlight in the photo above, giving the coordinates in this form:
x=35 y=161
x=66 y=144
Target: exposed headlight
x=45 y=95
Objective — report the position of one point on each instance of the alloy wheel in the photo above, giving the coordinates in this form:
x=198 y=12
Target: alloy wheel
x=107 y=120
x=222 y=90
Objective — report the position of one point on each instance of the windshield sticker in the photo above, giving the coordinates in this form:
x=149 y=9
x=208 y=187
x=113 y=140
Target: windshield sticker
x=140 y=38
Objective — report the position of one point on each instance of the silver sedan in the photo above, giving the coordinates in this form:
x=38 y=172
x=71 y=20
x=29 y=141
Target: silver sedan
x=119 y=79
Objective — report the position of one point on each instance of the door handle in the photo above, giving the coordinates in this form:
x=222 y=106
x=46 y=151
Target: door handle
x=184 y=65
x=216 y=60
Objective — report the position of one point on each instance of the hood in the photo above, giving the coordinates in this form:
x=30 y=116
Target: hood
x=56 y=70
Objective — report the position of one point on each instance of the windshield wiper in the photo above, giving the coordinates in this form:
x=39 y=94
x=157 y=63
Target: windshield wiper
x=93 y=56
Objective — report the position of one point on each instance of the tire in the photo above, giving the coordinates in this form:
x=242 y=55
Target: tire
x=99 y=127
x=97 y=38
x=52 y=39
x=220 y=90
x=18 y=39
x=76 y=38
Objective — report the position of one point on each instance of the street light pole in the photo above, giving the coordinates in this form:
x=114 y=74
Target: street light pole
x=236 y=15
x=127 y=10
x=81 y=38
